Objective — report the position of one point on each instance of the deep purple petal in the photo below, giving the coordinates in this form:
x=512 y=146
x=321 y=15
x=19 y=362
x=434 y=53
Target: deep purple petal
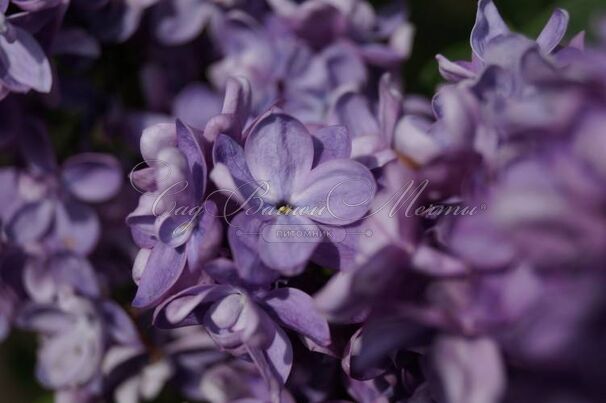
x=189 y=146
x=206 y=237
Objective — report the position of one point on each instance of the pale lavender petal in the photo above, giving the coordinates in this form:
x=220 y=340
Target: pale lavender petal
x=471 y=371
x=180 y=310
x=332 y=142
x=287 y=243
x=180 y=21
x=296 y=310
x=175 y=230
x=279 y=150
x=353 y=111
x=489 y=25
x=237 y=103
x=26 y=62
x=74 y=271
x=92 y=177
x=196 y=104
x=453 y=71
x=346 y=188
x=390 y=107
x=243 y=236
x=155 y=138
x=77 y=227
x=275 y=361
x=164 y=267
x=230 y=173
x=31 y=222
x=554 y=31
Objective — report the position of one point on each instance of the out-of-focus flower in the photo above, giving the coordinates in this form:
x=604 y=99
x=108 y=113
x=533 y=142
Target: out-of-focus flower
x=492 y=41
x=44 y=205
x=24 y=65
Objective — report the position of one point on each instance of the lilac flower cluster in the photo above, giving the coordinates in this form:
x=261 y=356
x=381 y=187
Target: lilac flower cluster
x=297 y=227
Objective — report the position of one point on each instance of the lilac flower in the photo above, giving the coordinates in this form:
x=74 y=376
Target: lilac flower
x=292 y=184
x=178 y=230
x=372 y=132
x=244 y=319
x=24 y=65
x=469 y=370
x=383 y=39
x=179 y=21
x=281 y=68
x=75 y=333
x=44 y=206
x=492 y=42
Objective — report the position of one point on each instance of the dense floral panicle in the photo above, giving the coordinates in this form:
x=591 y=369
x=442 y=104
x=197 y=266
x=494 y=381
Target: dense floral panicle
x=303 y=229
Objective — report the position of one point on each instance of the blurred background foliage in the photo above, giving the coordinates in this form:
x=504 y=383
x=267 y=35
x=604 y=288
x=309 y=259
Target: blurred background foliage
x=442 y=26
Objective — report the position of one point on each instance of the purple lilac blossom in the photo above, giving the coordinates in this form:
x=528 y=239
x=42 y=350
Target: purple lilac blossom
x=378 y=247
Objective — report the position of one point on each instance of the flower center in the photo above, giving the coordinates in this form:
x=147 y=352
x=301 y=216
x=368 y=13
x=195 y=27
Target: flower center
x=284 y=208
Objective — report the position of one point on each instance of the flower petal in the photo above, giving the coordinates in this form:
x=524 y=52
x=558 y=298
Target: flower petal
x=489 y=25
x=471 y=371
x=196 y=104
x=92 y=177
x=243 y=235
x=554 y=31
x=332 y=142
x=346 y=188
x=30 y=222
x=230 y=172
x=189 y=146
x=288 y=253
x=77 y=227
x=180 y=309
x=296 y=310
x=26 y=62
x=164 y=268
x=206 y=237
x=180 y=21
x=279 y=150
